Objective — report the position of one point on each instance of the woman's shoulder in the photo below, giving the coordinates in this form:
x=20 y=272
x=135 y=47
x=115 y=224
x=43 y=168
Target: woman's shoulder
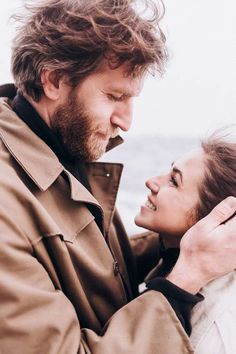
x=215 y=317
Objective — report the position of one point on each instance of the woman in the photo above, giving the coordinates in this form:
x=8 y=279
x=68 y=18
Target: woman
x=195 y=184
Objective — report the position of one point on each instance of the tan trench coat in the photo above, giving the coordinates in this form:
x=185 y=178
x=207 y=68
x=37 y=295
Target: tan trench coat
x=64 y=286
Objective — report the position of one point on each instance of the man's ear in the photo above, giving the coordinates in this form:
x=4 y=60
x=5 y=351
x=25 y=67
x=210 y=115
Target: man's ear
x=51 y=85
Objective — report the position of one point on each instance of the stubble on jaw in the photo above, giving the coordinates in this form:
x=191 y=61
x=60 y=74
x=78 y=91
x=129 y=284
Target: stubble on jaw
x=75 y=130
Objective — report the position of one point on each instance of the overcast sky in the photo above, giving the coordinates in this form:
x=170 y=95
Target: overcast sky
x=198 y=92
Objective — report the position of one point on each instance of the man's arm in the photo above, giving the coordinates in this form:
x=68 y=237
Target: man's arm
x=147 y=251
x=207 y=250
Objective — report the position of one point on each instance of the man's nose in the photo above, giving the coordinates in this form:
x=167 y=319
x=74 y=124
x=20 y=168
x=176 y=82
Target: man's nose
x=123 y=115
x=153 y=184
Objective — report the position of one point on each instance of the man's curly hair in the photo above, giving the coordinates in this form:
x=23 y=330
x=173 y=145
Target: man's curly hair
x=72 y=37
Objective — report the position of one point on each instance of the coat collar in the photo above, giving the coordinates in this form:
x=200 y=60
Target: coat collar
x=32 y=154
x=27 y=148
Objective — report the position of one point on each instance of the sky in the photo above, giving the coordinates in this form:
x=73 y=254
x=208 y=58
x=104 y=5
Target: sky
x=196 y=94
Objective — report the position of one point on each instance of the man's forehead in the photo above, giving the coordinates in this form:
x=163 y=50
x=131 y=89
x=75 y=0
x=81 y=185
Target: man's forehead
x=118 y=81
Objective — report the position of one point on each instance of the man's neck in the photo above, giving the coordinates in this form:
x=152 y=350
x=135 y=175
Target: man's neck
x=45 y=108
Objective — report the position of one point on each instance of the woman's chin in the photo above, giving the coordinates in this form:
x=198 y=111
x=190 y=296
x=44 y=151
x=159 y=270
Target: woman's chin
x=141 y=222
x=138 y=221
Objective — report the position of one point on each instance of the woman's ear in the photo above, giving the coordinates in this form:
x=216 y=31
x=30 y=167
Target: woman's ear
x=192 y=217
x=51 y=84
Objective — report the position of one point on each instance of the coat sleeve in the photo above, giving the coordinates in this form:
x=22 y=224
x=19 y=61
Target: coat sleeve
x=146 y=248
x=36 y=318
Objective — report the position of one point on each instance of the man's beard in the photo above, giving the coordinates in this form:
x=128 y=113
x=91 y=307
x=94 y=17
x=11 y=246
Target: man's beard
x=75 y=129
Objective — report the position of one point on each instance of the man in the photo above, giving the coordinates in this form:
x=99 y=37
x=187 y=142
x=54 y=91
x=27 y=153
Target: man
x=66 y=268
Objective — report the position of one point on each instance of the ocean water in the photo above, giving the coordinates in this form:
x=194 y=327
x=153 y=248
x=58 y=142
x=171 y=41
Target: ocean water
x=143 y=157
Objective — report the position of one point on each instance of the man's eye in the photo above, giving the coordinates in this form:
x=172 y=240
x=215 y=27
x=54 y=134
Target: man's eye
x=115 y=98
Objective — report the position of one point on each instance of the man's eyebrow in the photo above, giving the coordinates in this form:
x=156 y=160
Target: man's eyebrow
x=176 y=170
x=123 y=92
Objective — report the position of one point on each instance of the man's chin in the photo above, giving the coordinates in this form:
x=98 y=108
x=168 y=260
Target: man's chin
x=89 y=153
x=98 y=151
x=95 y=155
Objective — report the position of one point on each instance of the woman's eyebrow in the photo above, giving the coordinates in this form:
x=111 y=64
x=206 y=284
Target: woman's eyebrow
x=176 y=170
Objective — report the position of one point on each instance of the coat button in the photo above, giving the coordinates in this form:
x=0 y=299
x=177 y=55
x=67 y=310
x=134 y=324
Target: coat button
x=116 y=268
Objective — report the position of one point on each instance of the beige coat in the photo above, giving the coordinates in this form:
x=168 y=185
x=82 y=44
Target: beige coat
x=64 y=286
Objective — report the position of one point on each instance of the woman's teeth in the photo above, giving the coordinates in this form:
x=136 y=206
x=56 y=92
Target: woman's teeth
x=150 y=205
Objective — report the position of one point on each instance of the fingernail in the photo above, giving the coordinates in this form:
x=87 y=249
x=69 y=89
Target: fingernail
x=231 y=201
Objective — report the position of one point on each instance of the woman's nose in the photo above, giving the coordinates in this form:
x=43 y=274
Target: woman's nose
x=153 y=185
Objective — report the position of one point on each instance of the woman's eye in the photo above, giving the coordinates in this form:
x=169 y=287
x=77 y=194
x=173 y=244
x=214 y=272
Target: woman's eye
x=173 y=181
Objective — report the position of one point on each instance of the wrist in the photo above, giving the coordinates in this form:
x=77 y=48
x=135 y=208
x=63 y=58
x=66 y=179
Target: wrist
x=186 y=279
